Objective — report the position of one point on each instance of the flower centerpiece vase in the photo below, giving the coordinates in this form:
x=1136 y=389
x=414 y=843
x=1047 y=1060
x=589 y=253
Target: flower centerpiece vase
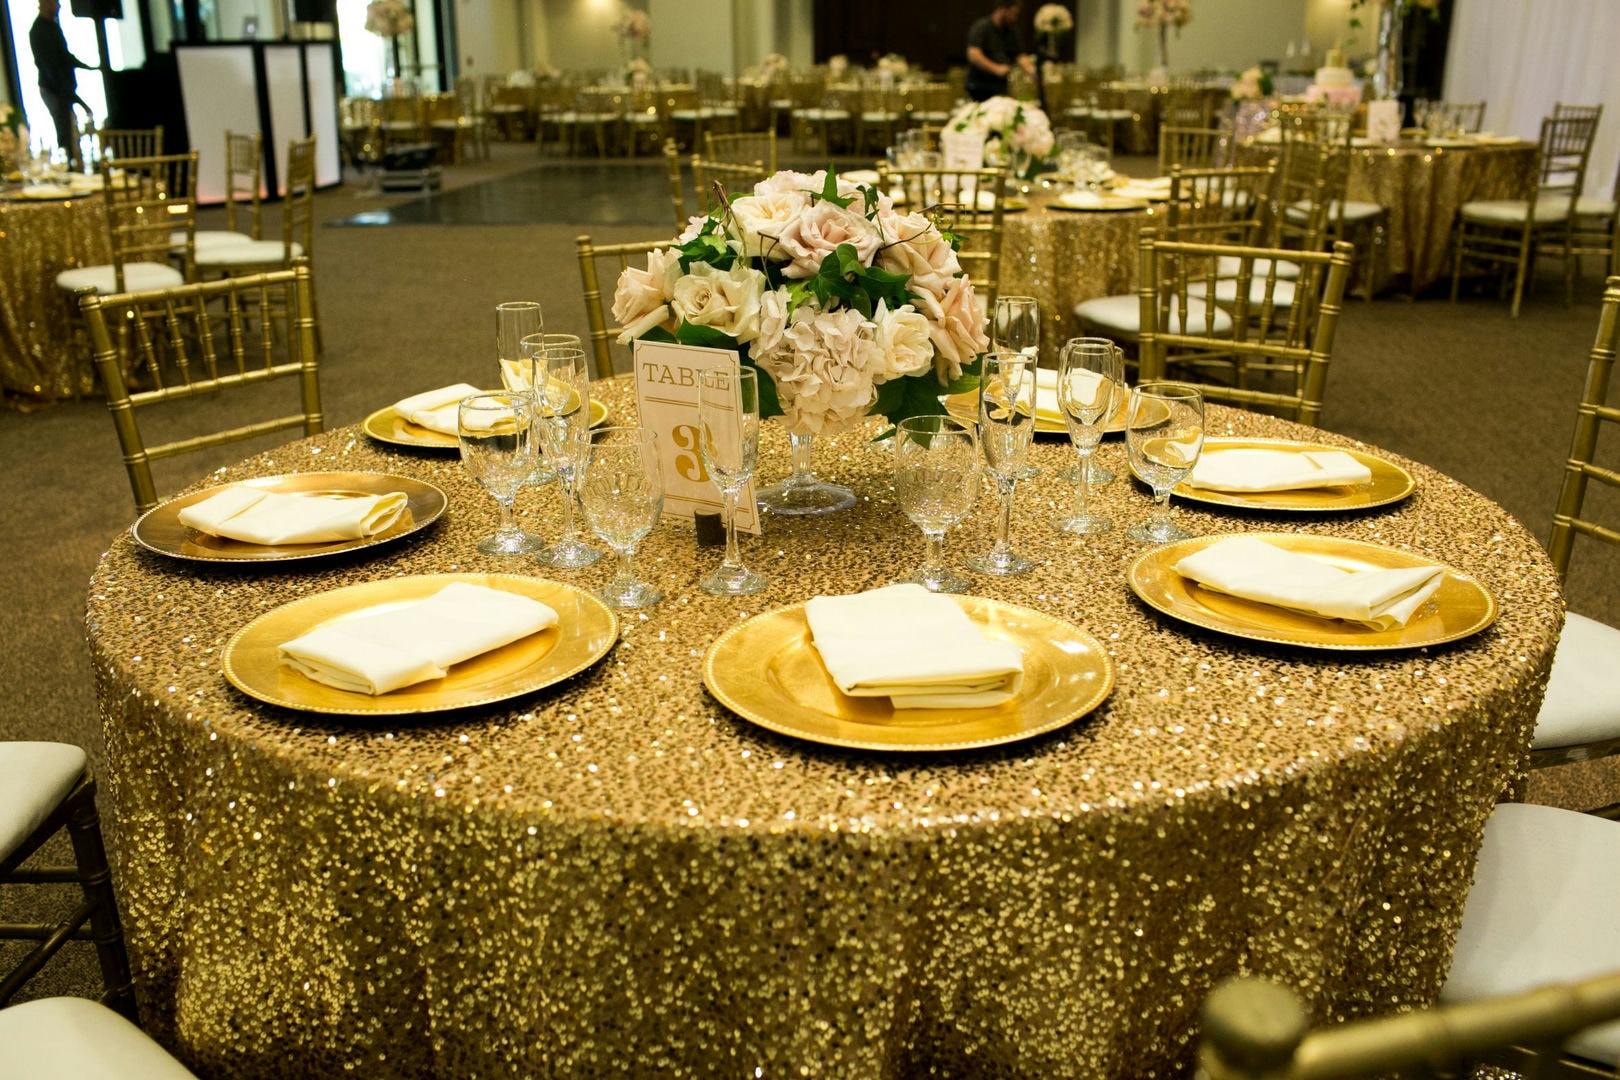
x=803 y=492
x=1387 y=77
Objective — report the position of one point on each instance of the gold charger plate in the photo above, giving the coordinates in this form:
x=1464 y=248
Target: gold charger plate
x=160 y=530
x=387 y=426
x=965 y=407
x=1390 y=483
x=586 y=630
x=1459 y=608
x=1104 y=204
x=766 y=670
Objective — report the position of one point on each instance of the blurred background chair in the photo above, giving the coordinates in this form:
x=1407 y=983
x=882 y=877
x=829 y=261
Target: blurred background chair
x=741 y=148
x=120 y=143
x=593 y=260
x=736 y=179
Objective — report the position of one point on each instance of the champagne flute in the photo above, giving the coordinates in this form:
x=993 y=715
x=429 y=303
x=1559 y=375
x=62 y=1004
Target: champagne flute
x=496 y=431
x=1006 y=424
x=1097 y=473
x=1164 y=432
x=1089 y=377
x=533 y=348
x=563 y=397
x=621 y=489
x=936 y=479
x=728 y=416
x=514 y=321
x=1016 y=327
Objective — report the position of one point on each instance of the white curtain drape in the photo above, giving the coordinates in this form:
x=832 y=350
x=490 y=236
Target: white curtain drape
x=1523 y=56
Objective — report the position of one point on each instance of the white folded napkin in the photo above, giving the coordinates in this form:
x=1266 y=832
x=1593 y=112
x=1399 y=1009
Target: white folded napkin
x=1048 y=407
x=1255 y=570
x=918 y=649
x=268 y=517
x=1080 y=200
x=436 y=409
x=1276 y=470
x=45 y=191
x=374 y=654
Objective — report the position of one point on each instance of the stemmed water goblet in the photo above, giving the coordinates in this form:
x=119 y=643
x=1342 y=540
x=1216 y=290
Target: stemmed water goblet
x=728 y=419
x=563 y=397
x=496 y=434
x=1006 y=425
x=1090 y=375
x=936 y=480
x=621 y=489
x=1164 y=433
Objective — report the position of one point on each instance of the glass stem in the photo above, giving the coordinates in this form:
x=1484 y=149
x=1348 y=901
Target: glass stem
x=568 y=504
x=507 y=525
x=1161 y=511
x=1082 y=484
x=1004 y=521
x=800 y=448
x=934 y=553
x=733 y=560
x=625 y=576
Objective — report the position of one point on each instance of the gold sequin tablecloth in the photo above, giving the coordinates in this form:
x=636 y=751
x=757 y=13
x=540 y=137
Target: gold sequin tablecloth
x=1065 y=257
x=1422 y=189
x=620 y=877
x=39 y=239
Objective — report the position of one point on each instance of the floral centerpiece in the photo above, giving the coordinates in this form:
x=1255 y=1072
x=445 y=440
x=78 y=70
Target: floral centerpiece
x=851 y=307
x=633 y=25
x=1252 y=85
x=1161 y=15
x=13 y=137
x=1052 y=21
x=1009 y=127
x=389 y=19
x=837 y=66
x=893 y=64
x=637 y=71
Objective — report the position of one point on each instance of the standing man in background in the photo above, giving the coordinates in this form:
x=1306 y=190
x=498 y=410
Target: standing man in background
x=58 y=84
x=993 y=47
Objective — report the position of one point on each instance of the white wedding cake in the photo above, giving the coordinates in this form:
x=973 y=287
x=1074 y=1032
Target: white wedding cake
x=1335 y=83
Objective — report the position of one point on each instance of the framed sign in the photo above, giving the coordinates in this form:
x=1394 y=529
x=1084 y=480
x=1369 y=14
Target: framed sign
x=667 y=377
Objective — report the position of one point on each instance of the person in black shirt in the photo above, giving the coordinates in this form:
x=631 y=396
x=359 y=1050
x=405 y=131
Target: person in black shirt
x=58 y=84
x=993 y=47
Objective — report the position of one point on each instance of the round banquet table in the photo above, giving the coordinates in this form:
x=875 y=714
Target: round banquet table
x=39 y=238
x=618 y=875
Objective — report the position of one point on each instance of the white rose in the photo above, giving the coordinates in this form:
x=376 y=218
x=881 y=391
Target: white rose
x=727 y=301
x=825 y=369
x=773 y=318
x=641 y=291
x=819 y=230
x=915 y=248
x=694 y=226
x=903 y=338
x=786 y=181
x=959 y=334
x=761 y=219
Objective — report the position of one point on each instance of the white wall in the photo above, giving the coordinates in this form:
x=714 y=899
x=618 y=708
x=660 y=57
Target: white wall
x=691 y=34
x=1226 y=35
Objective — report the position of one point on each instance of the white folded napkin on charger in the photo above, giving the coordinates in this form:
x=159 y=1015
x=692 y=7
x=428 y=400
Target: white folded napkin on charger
x=1255 y=570
x=374 y=654
x=436 y=410
x=1048 y=407
x=269 y=517
x=1256 y=469
x=916 y=648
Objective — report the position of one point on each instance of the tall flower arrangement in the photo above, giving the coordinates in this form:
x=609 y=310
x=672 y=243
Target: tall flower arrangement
x=1161 y=15
x=1252 y=85
x=850 y=306
x=1018 y=128
x=634 y=29
x=389 y=19
x=13 y=136
x=1052 y=21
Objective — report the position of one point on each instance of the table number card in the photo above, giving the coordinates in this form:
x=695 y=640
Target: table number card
x=667 y=378
x=1384 y=121
x=962 y=149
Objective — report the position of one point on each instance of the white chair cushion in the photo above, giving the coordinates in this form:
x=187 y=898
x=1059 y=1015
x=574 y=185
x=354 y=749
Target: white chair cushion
x=138 y=277
x=1227 y=266
x=207 y=238
x=1588 y=206
x=1583 y=697
x=1124 y=314
x=246 y=253
x=1513 y=211
x=68 y=1038
x=34 y=779
x=1282 y=294
x=1542 y=910
x=1354 y=210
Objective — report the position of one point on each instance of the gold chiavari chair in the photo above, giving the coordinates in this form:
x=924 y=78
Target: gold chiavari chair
x=722 y=111
x=470 y=102
x=244 y=177
x=1187 y=107
x=1108 y=111
x=447 y=124
x=741 y=148
x=1194 y=147
x=511 y=108
x=1467 y=116
x=1257 y=331
x=736 y=179
x=197 y=341
x=361 y=127
x=151 y=208
x=598 y=113
x=966 y=203
x=878 y=118
x=1254 y=1029
x=400 y=119
x=677 y=194
x=614 y=258
x=1595 y=230
x=651 y=112
x=1508 y=232
x=120 y=143
x=1580 y=714
x=46 y=789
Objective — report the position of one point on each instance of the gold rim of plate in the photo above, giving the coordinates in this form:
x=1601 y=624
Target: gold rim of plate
x=965 y=407
x=160 y=529
x=767 y=671
x=1460 y=608
x=586 y=630
x=1389 y=484
x=387 y=426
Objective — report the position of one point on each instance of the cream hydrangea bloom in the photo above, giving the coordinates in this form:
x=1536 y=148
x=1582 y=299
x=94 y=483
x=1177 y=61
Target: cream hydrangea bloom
x=825 y=368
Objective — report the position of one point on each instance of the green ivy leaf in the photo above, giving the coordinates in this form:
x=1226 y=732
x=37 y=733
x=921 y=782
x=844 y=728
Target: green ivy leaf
x=829 y=190
x=704 y=336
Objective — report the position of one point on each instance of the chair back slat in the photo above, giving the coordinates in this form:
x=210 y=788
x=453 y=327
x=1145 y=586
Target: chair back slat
x=1592 y=413
x=148 y=201
x=967 y=203
x=736 y=179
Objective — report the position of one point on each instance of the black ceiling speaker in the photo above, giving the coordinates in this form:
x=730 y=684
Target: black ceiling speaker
x=98 y=9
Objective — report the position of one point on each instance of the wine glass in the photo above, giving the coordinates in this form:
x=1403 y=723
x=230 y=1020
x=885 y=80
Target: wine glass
x=1164 y=432
x=1017 y=326
x=563 y=398
x=621 y=489
x=1006 y=424
x=1097 y=474
x=1090 y=375
x=728 y=416
x=936 y=479
x=514 y=321
x=496 y=432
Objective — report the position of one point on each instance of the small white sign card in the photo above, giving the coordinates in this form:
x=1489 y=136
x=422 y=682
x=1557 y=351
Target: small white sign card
x=667 y=377
x=1384 y=121
x=960 y=150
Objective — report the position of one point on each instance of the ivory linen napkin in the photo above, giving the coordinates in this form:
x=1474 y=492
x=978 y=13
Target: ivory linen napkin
x=1048 y=407
x=1255 y=570
x=436 y=409
x=1254 y=469
x=269 y=517
x=918 y=649
x=374 y=654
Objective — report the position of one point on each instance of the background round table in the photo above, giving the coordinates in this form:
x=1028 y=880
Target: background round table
x=40 y=355
x=618 y=875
